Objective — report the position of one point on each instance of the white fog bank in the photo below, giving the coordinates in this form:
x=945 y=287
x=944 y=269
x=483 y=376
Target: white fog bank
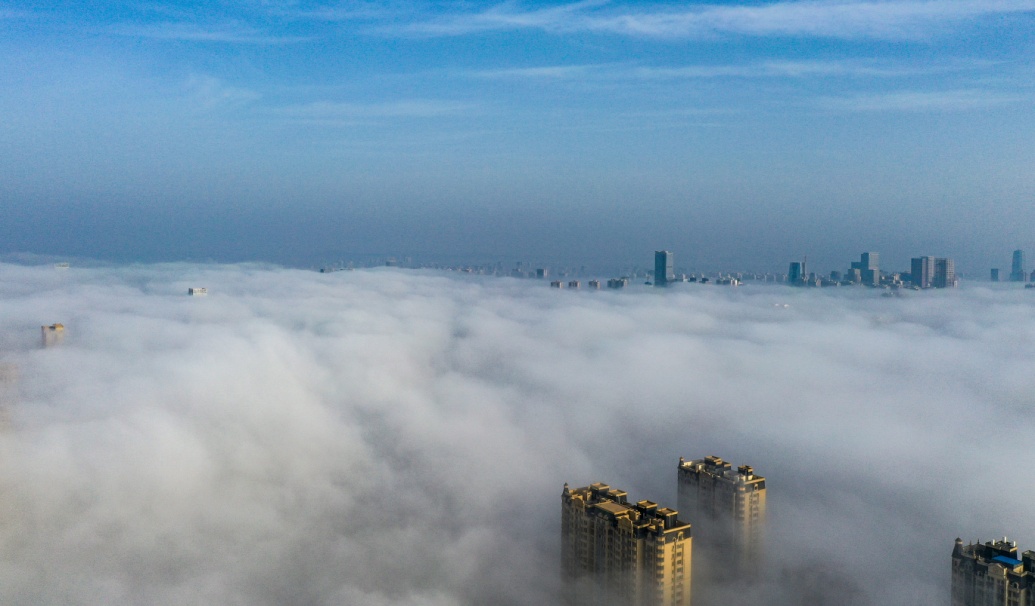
x=396 y=437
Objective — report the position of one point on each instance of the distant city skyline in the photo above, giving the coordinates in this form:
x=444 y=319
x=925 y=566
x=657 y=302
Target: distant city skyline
x=737 y=135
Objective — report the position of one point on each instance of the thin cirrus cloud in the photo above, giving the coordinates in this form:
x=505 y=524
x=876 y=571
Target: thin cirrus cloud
x=891 y=19
x=766 y=69
x=192 y=32
x=920 y=101
x=411 y=108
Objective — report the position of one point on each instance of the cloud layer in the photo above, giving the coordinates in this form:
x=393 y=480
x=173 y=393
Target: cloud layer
x=879 y=19
x=391 y=437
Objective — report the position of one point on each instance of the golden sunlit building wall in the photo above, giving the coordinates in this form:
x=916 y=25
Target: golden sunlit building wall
x=615 y=552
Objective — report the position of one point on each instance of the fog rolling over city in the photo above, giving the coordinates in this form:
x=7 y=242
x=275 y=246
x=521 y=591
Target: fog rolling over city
x=397 y=437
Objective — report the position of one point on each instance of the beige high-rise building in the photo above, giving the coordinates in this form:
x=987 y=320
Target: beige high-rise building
x=614 y=552
x=727 y=509
x=991 y=574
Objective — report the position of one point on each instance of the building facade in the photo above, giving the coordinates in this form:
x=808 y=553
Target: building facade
x=1017 y=273
x=945 y=273
x=663 y=268
x=991 y=574
x=728 y=510
x=616 y=552
x=933 y=272
x=869 y=268
x=922 y=270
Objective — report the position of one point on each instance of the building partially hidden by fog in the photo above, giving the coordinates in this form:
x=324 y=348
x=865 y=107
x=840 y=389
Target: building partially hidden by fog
x=796 y=275
x=869 y=268
x=728 y=510
x=614 y=552
x=1017 y=273
x=663 y=268
x=933 y=272
x=8 y=380
x=52 y=335
x=200 y=292
x=991 y=574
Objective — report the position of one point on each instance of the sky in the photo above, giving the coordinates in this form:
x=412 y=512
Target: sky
x=740 y=135
x=386 y=436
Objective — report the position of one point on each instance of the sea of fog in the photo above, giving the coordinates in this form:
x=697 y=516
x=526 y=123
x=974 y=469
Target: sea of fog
x=388 y=436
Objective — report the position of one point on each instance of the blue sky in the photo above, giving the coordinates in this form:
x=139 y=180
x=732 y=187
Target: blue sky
x=738 y=134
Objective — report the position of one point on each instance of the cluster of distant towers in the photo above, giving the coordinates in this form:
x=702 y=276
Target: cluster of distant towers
x=924 y=272
x=1017 y=271
x=615 y=551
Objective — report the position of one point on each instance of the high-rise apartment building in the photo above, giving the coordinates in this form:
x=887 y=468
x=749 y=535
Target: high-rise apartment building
x=1017 y=273
x=615 y=552
x=991 y=574
x=727 y=508
x=995 y=274
x=663 y=268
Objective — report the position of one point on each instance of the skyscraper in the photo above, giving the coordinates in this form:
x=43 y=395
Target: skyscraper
x=796 y=274
x=613 y=552
x=727 y=509
x=1017 y=273
x=922 y=271
x=663 y=271
x=995 y=274
x=944 y=273
x=991 y=574
x=934 y=272
x=869 y=268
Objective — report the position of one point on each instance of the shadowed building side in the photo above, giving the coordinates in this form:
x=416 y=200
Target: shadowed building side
x=728 y=510
x=664 y=271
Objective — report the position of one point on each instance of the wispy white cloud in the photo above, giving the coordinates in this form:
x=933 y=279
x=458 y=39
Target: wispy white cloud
x=765 y=69
x=920 y=101
x=815 y=18
x=208 y=92
x=410 y=108
x=8 y=13
x=192 y=32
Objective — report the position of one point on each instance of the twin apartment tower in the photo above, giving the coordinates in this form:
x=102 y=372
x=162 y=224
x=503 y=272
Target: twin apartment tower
x=639 y=554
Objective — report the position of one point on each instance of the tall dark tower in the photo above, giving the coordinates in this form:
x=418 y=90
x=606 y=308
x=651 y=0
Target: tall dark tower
x=663 y=272
x=1017 y=273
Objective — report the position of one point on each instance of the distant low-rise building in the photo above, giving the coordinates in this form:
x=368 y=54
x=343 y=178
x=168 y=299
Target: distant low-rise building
x=197 y=292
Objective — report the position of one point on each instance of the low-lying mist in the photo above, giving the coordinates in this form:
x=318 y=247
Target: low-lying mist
x=394 y=437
